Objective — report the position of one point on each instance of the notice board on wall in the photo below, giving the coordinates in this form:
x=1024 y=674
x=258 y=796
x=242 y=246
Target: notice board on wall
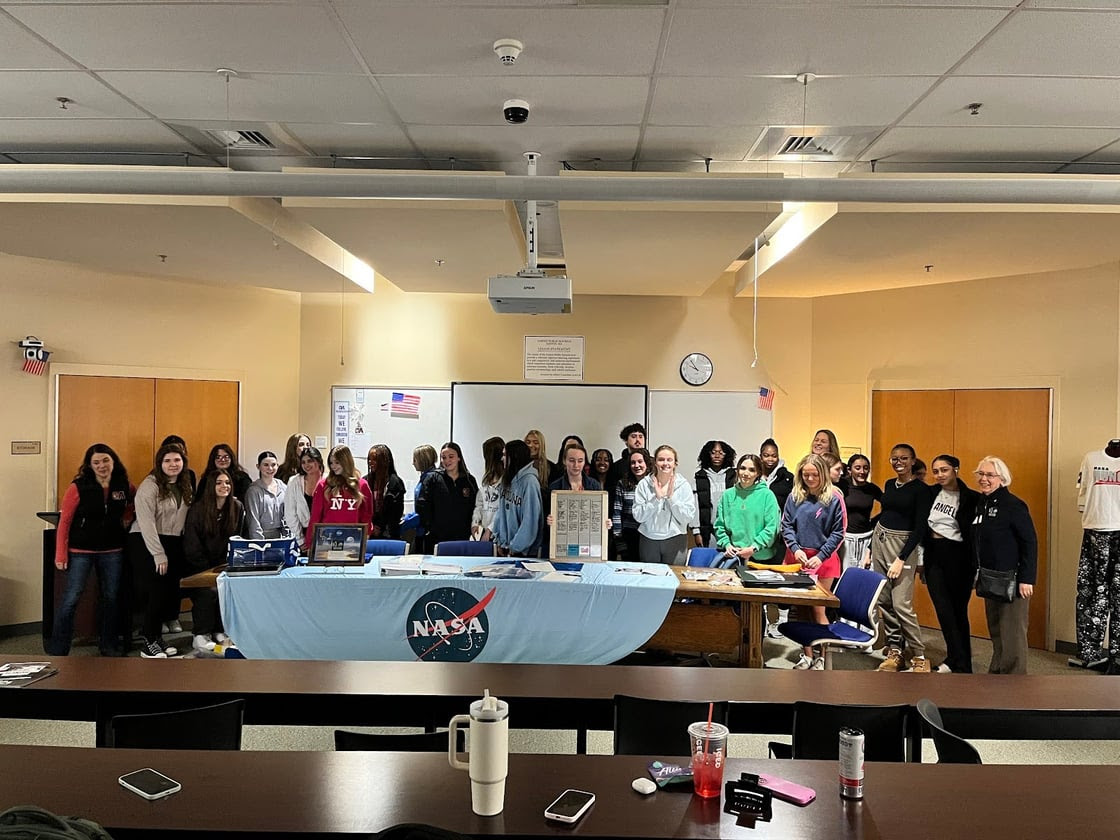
x=400 y=418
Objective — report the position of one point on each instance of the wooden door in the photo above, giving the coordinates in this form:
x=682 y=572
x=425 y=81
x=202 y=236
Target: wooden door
x=1013 y=424
x=202 y=412
x=115 y=410
x=925 y=420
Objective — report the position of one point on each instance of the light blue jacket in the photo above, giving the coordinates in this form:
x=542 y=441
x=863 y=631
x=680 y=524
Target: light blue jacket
x=517 y=522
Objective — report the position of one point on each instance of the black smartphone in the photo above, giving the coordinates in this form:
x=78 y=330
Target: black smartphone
x=569 y=806
x=149 y=783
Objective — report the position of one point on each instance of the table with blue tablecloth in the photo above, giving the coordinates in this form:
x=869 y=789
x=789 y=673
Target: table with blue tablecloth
x=305 y=612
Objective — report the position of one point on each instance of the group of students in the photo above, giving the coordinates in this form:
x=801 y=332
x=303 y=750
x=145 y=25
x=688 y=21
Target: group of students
x=819 y=517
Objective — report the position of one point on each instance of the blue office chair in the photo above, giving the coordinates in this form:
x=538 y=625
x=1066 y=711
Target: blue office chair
x=858 y=591
x=711 y=558
x=465 y=548
x=385 y=548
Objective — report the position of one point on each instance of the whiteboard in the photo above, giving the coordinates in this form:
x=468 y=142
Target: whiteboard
x=361 y=417
x=596 y=413
x=686 y=420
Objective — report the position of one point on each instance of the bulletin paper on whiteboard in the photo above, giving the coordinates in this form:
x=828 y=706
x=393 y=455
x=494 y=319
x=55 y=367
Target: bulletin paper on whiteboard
x=554 y=358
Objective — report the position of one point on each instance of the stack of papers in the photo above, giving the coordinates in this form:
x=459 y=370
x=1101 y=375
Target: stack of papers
x=434 y=567
x=392 y=567
x=19 y=674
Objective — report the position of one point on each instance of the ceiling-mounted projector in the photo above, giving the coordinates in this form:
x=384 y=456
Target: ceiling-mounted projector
x=530 y=293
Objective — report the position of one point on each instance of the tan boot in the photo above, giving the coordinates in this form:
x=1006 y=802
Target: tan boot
x=893 y=662
x=919 y=665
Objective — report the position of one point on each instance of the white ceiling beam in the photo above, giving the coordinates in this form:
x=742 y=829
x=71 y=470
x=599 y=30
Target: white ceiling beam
x=782 y=237
x=1082 y=190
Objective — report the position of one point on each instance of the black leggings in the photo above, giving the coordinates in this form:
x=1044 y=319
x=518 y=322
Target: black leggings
x=949 y=575
x=157 y=595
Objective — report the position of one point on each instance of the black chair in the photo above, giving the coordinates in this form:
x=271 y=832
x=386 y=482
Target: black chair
x=658 y=727
x=414 y=742
x=951 y=749
x=208 y=728
x=816 y=731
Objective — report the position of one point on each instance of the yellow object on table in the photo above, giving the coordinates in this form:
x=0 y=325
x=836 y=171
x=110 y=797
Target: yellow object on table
x=784 y=568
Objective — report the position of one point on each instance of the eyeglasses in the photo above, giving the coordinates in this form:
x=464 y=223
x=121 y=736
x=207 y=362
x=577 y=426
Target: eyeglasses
x=224 y=456
x=987 y=475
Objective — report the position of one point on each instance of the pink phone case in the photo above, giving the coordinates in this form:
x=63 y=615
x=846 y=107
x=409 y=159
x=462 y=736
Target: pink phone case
x=787 y=790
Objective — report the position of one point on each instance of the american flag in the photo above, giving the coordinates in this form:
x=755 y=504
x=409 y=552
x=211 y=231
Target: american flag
x=766 y=399
x=36 y=364
x=405 y=405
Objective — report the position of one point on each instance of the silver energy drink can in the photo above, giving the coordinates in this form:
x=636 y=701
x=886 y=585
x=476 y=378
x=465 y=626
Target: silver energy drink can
x=851 y=763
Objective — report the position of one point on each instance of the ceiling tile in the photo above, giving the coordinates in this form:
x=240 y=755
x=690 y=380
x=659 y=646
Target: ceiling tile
x=28 y=95
x=450 y=41
x=1047 y=43
x=679 y=100
x=93 y=135
x=253 y=96
x=295 y=38
x=989 y=143
x=349 y=139
x=508 y=142
x=825 y=39
x=20 y=50
x=697 y=142
x=1020 y=101
x=568 y=100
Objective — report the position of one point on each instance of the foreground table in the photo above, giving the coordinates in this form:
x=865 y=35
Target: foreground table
x=321 y=793
x=553 y=696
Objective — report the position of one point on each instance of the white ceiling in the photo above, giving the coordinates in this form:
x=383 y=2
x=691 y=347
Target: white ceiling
x=614 y=85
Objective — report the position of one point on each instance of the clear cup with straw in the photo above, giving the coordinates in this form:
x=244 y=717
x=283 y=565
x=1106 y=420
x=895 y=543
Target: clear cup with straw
x=709 y=753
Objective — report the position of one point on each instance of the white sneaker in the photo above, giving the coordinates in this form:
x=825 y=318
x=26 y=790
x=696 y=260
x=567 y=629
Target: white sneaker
x=221 y=638
x=203 y=642
x=942 y=669
x=173 y=627
x=772 y=630
x=163 y=628
x=804 y=663
x=818 y=664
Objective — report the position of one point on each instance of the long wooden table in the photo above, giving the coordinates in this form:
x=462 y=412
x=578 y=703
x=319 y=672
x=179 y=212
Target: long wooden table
x=726 y=618
x=323 y=793
x=553 y=696
x=723 y=619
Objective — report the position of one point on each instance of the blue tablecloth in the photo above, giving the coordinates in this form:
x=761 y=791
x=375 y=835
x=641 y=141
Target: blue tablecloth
x=317 y=613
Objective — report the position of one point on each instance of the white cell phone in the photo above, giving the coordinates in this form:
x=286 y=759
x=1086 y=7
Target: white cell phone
x=149 y=783
x=570 y=806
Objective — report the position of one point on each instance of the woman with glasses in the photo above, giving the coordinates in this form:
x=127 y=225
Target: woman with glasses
x=716 y=475
x=902 y=524
x=949 y=568
x=1004 y=540
x=224 y=457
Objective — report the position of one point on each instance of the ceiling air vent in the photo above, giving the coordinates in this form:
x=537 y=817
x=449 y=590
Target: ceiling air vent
x=812 y=142
x=241 y=139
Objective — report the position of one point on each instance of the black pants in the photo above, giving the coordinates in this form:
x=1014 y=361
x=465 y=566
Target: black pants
x=205 y=615
x=626 y=546
x=949 y=575
x=157 y=595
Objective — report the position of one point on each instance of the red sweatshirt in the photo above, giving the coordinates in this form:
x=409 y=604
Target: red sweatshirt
x=342 y=509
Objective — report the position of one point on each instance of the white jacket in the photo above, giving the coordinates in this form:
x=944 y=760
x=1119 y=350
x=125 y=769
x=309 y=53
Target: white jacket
x=662 y=519
x=296 y=512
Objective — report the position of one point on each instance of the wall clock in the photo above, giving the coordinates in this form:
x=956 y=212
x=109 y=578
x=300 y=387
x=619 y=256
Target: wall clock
x=696 y=369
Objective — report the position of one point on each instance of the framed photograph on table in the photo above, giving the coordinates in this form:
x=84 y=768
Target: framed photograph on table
x=579 y=529
x=337 y=545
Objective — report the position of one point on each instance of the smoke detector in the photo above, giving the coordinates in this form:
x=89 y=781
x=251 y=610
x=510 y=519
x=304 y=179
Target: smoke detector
x=507 y=50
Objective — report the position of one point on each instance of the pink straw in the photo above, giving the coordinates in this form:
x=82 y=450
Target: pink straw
x=708 y=740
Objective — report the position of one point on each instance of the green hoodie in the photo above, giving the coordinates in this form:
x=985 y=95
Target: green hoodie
x=749 y=517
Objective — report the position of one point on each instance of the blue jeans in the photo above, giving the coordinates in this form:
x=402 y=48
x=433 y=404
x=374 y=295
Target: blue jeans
x=108 y=567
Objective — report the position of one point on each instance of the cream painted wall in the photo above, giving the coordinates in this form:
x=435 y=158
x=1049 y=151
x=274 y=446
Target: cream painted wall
x=1055 y=330
x=113 y=325
x=431 y=340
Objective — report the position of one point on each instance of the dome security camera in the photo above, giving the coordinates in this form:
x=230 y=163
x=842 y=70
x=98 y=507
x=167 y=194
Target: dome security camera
x=516 y=111
x=508 y=50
